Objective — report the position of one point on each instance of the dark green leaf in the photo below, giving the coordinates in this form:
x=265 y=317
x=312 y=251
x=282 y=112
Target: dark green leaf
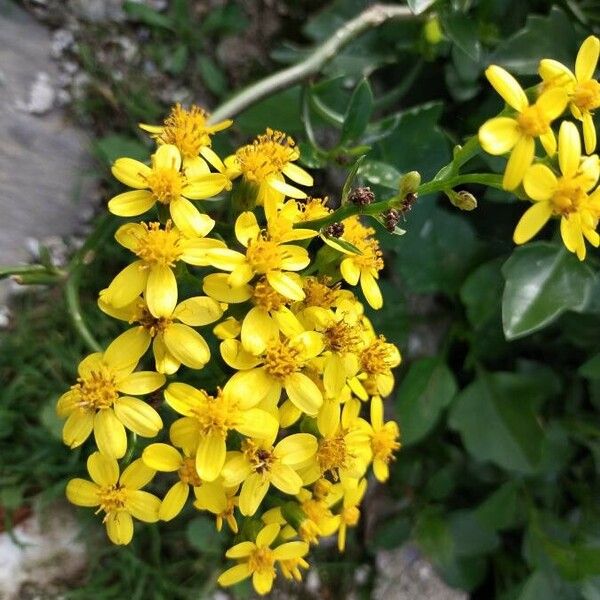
x=380 y=173
x=471 y=537
x=425 y=391
x=591 y=368
x=212 y=75
x=419 y=6
x=347 y=188
x=542 y=281
x=503 y=509
x=481 y=292
x=358 y=114
x=202 y=535
x=113 y=146
x=463 y=32
x=148 y=16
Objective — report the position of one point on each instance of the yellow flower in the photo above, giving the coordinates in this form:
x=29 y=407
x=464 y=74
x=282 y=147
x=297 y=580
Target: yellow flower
x=363 y=267
x=583 y=90
x=263 y=165
x=207 y=421
x=384 y=438
x=259 y=465
x=158 y=251
x=119 y=497
x=350 y=515
x=517 y=134
x=94 y=402
x=264 y=256
x=190 y=132
x=564 y=196
x=174 y=342
x=258 y=559
x=166 y=458
x=280 y=367
x=164 y=182
x=220 y=500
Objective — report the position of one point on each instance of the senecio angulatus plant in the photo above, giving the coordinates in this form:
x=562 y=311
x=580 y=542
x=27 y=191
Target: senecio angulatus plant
x=282 y=450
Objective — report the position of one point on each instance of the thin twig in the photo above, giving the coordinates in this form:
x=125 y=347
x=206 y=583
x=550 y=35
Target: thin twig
x=370 y=18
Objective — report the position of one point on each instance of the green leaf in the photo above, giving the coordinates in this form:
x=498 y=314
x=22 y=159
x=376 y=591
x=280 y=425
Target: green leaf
x=481 y=293
x=471 y=537
x=347 y=188
x=541 y=585
x=425 y=391
x=380 y=173
x=419 y=6
x=212 y=75
x=202 y=535
x=113 y=146
x=148 y=16
x=503 y=509
x=463 y=32
x=496 y=421
x=358 y=113
x=542 y=281
x=279 y=111
x=591 y=368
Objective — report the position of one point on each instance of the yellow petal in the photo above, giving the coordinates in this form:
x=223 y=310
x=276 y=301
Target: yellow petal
x=162 y=457
x=67 y=403
x=195 y=250
x=141 y=382
x=224 y=259
x=131 y=172
x=284 y=188
x=297 y=174
x=83 y=492
x=539 y=182
x=520 y=159
x=103 y=470
x=533 y=219
x=548 y=140
x=119 y=527
x=262 y=581
x=304 y=393
x=236 y=469
x=205 y=186
x=129 y=235
x=258 y=329
x=587 y=58
x=210 y=155
x=125 y=351
x=371 y=290
x=499 y=135
x=167 y=157
x=161 y=291
x=241 y=550
x=589 y=133
x=284 y=478
x=249 y=388
x=334 y=375
x=569 y=149
x=77 y=428
x=188 y=219
x=194 y=167
x=552 y=103
x=131 y=204
x=267 y=535
x=234 y=575
x=572 y=236
x=287 y=322
x=286 y=285
x=555 y=73
x=92 y=362
x=290 y=550
x=185 y=434
x=210 y=457
x=143 y=505
x=246 y=228
x=507 y=86
x=211 y=497
x=109 y=434
x=377 y=412
x=294 y=258
x=165 y=362
x=227 y=329
x=350 y=271
x=381 y=470
x=296 y=448
x=184 y=398
x=198 y=311
x=138 y=416
x=174 y=501
x=127 y=285
x=217 y=286
x=258 y=423
x=254 y=489
x=187 y=345
x=236 y=356
x=241 y=275
x=136 y=475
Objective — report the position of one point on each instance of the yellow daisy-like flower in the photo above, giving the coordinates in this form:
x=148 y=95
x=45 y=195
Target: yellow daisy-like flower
x=517 y=134
x=363 y=267
x=166 y=183
x=120 y=497
x=583 y=89
x=220 y=500
x=207 y=421
x=174 y=342
x=166 y=458
x=190 y=132
x=279 y=367
x=264 y=256
x=263 y=165
x=564 y=196
x=158 y=250
x=258 y=559
x=384 y=440
x=259 y=465
x=95 y=401
x=350 y=514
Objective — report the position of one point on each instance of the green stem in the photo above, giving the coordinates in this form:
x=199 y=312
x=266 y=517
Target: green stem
x=370 y=18
x=348 y=210
x=22 y=270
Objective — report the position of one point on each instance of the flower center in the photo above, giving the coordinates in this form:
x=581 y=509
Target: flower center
x=187 y=472
x=371 y=257
x=266 y=297
x=112 y=498
x=263 y=255
x=312 y=209
x=266 y=156
x=158 y=246
x=319 y=294
x=342 y=337
x=350 y=515
x=262 y=560
x=379 y=356
x=384 y=443
x=282 y=359
x=260 y=459
x=166 y=184
x=568 y=197
x=97 y=390
x=586 y=95
x=333 y=455
x=187 y=130
x=216 y=415
x=153 y=325
x=533 y=122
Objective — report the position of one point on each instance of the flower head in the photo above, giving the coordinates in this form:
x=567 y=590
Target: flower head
x=384 y=440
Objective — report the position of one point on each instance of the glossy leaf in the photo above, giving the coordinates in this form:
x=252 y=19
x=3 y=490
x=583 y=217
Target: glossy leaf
x=358 y=114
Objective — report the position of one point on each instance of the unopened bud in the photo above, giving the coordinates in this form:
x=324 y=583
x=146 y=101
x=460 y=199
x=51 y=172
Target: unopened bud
x=361 y=196
x=462 y=199
x=335 y=230
x=409 y=183
x=432 y=31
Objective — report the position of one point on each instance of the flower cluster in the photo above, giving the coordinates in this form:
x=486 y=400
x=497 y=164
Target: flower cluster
x=297 y=417
x=562 y=182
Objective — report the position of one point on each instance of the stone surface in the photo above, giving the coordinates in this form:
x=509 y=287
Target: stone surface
x=45 y=169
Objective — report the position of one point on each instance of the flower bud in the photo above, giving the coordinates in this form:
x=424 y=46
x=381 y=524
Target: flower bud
x=409 y=183
x=462 y=199
x=361 y=196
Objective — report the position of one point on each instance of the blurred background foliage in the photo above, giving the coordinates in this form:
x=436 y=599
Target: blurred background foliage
x=499 y=393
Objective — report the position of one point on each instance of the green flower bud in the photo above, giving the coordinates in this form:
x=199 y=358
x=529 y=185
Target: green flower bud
x=462 y=199
x=409 y=183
